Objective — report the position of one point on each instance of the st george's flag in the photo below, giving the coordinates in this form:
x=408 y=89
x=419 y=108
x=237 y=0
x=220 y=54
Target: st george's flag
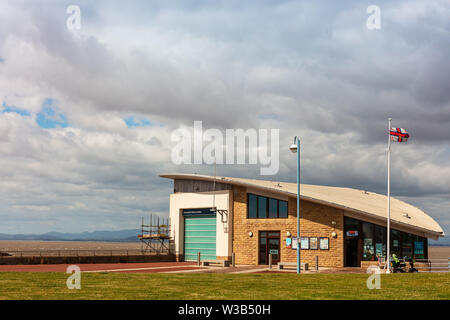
x=399 y=135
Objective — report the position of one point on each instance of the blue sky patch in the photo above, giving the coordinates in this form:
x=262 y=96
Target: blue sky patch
x=2 y=60
x=22 y=112
x=268 y=116
x=132 y=121
x=50 y=116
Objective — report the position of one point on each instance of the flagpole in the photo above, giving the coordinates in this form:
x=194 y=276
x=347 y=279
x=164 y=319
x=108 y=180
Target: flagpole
x=389 y=199
x=298 y=207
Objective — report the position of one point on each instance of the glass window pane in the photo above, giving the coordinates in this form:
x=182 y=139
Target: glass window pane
x=252 y=206
x=396 y=242
x=380 y=241
x=282 y=209
x=351 y=224
x=419 y=248
x=274 y=248
x=273 y=208
x=367 y=229
x=263 y=248
x=262 y=207
x=407 y=244
x=368 y=243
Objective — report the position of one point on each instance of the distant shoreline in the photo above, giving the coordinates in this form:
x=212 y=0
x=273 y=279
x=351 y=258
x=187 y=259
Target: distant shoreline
x=43 y=245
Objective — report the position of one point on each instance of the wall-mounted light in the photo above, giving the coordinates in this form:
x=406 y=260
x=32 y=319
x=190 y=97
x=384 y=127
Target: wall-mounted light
x=250 y=234
x=333 y=223
x=334 y=234
x=288 y=234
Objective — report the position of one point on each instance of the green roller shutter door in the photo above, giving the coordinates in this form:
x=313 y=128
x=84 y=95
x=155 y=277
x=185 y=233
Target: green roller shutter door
x=199 y=236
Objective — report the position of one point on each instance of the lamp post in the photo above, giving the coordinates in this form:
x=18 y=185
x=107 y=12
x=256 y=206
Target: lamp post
x=295 y=148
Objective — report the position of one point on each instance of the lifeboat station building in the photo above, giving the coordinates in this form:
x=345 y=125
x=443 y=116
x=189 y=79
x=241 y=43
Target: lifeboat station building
x=344 y=227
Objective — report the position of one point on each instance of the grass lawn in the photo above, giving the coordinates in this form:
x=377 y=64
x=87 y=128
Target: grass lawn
x=19 y=285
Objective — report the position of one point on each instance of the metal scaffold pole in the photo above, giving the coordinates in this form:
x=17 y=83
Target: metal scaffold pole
x=155 y=237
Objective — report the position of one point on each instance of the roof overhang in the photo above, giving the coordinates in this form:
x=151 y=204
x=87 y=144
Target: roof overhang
x=356 y=213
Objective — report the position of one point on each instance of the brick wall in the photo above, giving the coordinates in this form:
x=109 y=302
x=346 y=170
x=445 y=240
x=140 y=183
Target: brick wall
x=315 y=221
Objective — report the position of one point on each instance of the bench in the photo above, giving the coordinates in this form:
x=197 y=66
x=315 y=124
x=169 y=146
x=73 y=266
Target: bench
x=303 y=265
x=219 y=263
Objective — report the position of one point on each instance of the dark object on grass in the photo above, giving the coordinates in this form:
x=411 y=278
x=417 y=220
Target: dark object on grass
x=411 y=268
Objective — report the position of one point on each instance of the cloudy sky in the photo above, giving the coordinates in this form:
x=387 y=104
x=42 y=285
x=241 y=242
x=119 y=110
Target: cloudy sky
x=87 y=114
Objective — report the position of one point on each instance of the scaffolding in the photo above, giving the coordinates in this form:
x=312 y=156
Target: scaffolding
x=155 y=236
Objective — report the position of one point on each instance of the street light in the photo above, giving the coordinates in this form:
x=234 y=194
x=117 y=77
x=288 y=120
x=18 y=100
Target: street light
x=295 y=148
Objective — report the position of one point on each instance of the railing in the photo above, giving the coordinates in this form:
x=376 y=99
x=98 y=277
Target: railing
x=422 y=265
x=432 y=265
x=78 y=253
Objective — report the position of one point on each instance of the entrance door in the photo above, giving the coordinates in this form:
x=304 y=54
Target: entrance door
x=351 y=252
x=269 y=243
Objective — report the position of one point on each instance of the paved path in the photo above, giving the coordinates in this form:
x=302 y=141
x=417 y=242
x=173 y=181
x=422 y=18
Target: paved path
x=113 y=267
x=164 y=267
x=151 y=267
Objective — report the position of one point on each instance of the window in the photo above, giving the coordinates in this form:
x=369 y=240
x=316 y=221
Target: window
x=419 y=247
x=396 y=242
x=380 y=241
x=273 y=208
x=368 y=241
x=263 y=247
x=374 y=239
x=351 y=224
x=262 y=207
x=282 y=209
x=407 y=244
x=252 y=206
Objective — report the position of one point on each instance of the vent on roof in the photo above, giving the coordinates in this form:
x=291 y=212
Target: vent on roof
x=365 y=192
x=406 y=215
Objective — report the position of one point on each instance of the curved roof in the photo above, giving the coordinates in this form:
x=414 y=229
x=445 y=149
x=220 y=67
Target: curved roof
x=360 y=202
